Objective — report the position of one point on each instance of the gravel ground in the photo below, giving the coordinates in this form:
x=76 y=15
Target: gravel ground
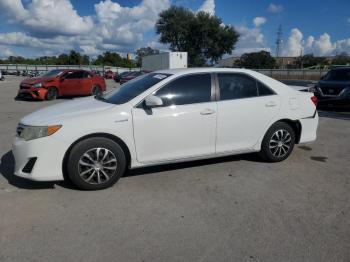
x=228 y=209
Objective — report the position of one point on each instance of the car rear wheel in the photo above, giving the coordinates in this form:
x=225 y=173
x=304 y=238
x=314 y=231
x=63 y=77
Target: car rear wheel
x=51 y=93
x=96 y=91
x=96 y=163
x=278 y=142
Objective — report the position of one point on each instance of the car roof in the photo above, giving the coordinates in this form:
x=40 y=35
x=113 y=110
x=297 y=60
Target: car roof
x=341 y=68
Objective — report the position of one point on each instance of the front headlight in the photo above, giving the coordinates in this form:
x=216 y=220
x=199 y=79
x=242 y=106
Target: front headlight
x=34 y=132
x=38 y=85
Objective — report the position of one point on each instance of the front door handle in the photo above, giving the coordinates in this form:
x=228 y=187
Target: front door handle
x=207 y=111
x=270 y=104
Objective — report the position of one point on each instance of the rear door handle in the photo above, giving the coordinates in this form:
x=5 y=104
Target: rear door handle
x=207 y=111
x=270 y=104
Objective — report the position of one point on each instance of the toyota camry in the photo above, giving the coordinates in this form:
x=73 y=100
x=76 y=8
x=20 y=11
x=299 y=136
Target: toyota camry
x=163 y=117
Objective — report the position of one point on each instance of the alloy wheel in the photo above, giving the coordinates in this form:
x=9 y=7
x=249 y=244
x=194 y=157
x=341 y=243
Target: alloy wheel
x=280 y=143
x=97 y=165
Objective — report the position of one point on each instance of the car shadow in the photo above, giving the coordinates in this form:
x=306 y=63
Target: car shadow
x=183 y=165
x=7 y=167
x=28 y=99
x=344 y=115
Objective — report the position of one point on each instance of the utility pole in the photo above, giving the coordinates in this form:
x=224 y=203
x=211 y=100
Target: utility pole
x=279 y=43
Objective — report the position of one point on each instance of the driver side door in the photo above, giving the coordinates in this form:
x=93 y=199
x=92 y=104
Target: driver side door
x=71 y=82
x=183 y=127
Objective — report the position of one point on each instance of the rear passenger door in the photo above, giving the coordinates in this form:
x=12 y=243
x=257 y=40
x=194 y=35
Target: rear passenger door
x=245 y=109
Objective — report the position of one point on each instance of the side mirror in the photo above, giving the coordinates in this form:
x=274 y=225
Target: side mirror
x=153 y=101
x=62 y=79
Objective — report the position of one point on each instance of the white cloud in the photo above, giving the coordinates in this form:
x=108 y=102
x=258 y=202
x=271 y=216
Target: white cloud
x=250 y=40
x=208 y=6
x=309 y=42
x=258 y=21
x=56 y=25
x=127 y=25
x=274 y=8
x=323 y=46
x=5 y=52
x=295 y=43
x=47 y=17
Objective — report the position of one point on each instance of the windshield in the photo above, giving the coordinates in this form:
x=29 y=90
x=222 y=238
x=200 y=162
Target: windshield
x=53 y=73
x=132 y=88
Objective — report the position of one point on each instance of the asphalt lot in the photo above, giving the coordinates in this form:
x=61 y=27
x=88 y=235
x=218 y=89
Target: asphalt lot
x=227 y=209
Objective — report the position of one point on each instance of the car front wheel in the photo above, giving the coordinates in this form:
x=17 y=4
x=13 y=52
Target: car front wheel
x=96 y=163
x=96 y=91
x=278 y=142
x=51 y=93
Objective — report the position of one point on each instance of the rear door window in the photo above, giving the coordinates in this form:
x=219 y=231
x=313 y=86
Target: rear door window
x=236 y=86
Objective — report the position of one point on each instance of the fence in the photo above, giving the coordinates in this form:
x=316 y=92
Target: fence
x=286 y=74
x=45 y=68
x=293 y=74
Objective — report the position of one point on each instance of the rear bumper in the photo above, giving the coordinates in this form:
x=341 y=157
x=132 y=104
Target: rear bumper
x=343 y=99
x=309 y=129
x=336 y=101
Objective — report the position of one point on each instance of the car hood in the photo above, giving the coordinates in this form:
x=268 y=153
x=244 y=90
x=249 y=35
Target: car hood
x=57 y=114
x=36 y=80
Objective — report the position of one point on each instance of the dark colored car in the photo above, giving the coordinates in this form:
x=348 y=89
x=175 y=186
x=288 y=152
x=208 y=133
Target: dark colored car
x=118 y=77
x=334 y=87
x=60 y=82
x=130 y=76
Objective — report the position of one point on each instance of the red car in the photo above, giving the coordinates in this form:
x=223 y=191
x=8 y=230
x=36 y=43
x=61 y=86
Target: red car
x=60 y=82
x=131 y=75
x=109 y=74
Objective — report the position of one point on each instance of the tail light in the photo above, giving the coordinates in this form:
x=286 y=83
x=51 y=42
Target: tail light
x=314 y=100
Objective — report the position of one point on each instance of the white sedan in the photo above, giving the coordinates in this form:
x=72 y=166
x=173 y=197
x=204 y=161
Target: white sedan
x=164 y=117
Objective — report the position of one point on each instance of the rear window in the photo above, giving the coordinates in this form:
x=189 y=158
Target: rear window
x=53 y=73
x=338 y=75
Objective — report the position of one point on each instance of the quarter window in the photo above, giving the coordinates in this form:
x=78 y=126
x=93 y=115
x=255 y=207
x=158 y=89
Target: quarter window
x=263 y=90
x=189 y=89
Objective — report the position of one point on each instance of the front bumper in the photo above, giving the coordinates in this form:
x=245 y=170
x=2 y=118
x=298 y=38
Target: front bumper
x=34 y=93
x=48 y=153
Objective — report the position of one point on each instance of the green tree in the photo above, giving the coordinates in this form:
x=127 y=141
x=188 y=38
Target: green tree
x=342 y=59
x=113 y=59
x=144 y=51
x=257 y=60
x=309 y=60
x=202 y=35
x=62 y=59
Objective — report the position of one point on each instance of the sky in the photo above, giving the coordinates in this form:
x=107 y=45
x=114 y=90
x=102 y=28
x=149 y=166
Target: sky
x=33 y=28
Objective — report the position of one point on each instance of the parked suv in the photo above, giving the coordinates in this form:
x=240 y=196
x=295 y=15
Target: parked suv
x=62 y=83
x=334 y=87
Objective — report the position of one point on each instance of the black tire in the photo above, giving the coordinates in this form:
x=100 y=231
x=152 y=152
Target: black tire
x=96 y=91
x=51 y=93
x=275 y=150
x=98 y=180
